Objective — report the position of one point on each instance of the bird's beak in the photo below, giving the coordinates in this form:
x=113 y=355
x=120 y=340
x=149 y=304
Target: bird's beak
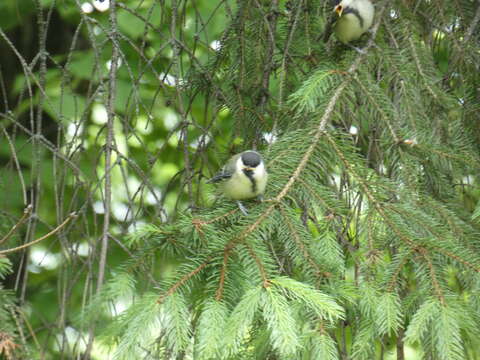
x=339 y=10
x=248 y=168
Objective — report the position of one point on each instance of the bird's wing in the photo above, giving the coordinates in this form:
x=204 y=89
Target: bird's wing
x=226 y=172
x=332 y=19
x=219 y=177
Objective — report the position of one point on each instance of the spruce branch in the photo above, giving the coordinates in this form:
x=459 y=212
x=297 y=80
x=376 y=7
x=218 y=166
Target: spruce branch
x=198 y=223
x=315 y=194
x=261 y=268
x=439 y=235
x=319 y=132
x=435 y=283
x=283 y=67
x=388 y=314
x=301 y=245
x=420 y=69
x=211 y=330
x=379 y=108
x=221 y=281
x=327 y=114
x=399 y=267
x=369 y=193
x=183 y=280
x=280 y=321
x=392 y=225
x=324 y=306
x=241 y=318
x=7 y=346
x=323 y=346
x=457 y=258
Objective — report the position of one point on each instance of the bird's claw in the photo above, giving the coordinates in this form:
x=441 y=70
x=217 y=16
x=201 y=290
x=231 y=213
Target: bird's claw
x=360 y=51
x=242 y=208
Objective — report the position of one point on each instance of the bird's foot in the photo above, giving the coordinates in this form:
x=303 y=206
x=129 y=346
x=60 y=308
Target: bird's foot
x=360 y=51
x=242 y=208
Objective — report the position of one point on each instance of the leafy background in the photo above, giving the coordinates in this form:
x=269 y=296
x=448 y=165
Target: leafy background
x=111 y=119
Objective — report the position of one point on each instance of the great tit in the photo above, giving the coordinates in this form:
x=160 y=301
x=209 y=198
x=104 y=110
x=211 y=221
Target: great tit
x=353 y=18
x=243 y=177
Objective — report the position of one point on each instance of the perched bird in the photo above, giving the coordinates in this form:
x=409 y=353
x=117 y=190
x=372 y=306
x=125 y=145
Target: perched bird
x=243 y=177
x=353 y=18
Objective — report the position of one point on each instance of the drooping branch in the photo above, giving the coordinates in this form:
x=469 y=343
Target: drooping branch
x=24 y=217
x=54 y=231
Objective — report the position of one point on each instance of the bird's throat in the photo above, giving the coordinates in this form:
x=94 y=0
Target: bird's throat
x=249 y=174
x=349 y=10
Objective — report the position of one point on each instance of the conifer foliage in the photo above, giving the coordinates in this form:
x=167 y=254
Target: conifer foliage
x=367 y=244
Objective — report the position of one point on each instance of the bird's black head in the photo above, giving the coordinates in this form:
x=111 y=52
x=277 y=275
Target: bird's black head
x=251 y=158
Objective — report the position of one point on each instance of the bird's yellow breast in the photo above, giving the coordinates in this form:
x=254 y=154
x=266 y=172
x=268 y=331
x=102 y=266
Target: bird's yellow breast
x=240 y=187
x=348 y=28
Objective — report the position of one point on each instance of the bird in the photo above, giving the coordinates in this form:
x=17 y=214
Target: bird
x=353 y=18
x=243 y=177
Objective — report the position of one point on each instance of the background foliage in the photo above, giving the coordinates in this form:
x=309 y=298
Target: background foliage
x=113 y=113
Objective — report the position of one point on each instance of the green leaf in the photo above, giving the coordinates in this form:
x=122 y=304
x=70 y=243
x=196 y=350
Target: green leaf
x=68 y=107
x=131 y=24
x=82 y=64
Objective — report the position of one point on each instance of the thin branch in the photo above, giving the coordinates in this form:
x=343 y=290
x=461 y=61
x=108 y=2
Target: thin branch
x=394 y=278
x=17 y=165
x=24 y=217
x=435 y=283
x=54 y=231
x=112 y=85
x=107 y=201
x=221 y=282
x=183 y=280
x=473 y=24
x=299 y=243
x=260 y=266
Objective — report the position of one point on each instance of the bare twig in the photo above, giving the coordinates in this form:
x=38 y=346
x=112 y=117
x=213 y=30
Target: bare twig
x=24 y=217
x=54 y=231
